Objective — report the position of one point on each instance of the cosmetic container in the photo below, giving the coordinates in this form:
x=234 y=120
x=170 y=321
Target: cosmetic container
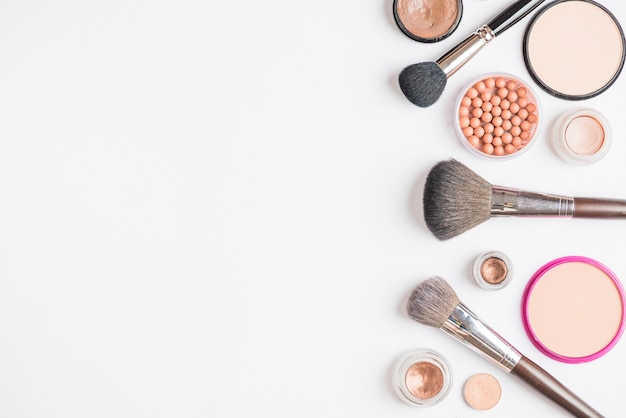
x=492 y=270
x=496 y=116
x=581 y=136
x=422 y=377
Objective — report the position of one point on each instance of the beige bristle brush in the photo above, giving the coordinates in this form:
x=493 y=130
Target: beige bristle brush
x=457 y=199
x=434 y=303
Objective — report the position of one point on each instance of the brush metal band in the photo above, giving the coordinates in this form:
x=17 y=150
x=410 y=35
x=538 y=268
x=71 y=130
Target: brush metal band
x=465 y=50
x=465 y=326
x=513 y=202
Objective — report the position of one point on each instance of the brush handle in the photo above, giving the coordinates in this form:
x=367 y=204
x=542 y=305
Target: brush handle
x=512 y=14
x=455 y=58
x=599 y=208
x=553 y=389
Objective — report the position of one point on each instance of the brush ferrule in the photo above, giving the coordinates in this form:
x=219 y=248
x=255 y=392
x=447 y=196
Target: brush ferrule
x=465 y=326
x=512 y=202
x=465 y=50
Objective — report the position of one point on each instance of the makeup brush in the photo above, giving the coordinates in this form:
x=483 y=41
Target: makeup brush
x=457 y=199
x=423 y=83
x=434 y=303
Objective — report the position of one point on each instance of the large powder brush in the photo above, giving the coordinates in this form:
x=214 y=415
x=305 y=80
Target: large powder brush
x=435 y=303
x=457 y=199
x=424 y=82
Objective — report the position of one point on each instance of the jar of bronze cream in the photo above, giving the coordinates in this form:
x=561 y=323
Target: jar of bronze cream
x=492 y=270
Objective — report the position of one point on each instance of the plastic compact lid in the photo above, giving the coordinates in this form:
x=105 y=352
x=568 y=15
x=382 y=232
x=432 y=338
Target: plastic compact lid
x=573 y=309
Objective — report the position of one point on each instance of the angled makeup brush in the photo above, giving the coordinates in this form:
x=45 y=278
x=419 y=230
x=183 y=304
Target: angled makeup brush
x=423 y=83
x=434 y=303
x=457 y=199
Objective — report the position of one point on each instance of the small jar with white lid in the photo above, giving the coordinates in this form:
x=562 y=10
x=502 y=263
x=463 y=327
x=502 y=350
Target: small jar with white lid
x=581 y=136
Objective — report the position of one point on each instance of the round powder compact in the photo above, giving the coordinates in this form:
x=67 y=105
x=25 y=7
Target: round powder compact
x=573 y=309
x=422 y=377
x=482 y=391
x=496 y=116
x=574 y=49
x=492 y=270
x=581 y=136
x=427 y=20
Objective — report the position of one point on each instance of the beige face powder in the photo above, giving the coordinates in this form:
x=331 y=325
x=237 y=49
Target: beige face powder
x=573 y=309
x=574 y=49
x=584 y=135
x=482 y=391
x=581 y=136
x=427 y=20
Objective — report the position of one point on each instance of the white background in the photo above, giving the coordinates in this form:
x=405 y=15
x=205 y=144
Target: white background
x=212 y=209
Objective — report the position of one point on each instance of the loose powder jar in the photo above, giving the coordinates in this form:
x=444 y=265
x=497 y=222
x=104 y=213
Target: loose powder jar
x=422 y=377
x=573 y=309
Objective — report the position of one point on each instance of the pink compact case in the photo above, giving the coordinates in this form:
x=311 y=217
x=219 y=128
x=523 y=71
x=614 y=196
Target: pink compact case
x=573 y=309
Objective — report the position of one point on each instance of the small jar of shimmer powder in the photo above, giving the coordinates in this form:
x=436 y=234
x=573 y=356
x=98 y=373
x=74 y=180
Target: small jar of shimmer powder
x=492 y=270
x=422 y=377
x=581 y=136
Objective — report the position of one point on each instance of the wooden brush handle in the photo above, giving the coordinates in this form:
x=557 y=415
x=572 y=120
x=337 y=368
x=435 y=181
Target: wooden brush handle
x=599 y=208
x=553 y=389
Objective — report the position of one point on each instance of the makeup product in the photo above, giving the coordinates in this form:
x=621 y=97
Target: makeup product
x=422 y=377
x=574 y=49
x=581 y=136
x=497 y=116
x=457 y=199
x=573 y=309
x=492 y=270
x=423 y=83
x=434 y=303
x=482 y=391
x=427 y=20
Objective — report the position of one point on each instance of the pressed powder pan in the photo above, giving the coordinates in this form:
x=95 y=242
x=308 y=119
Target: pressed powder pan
x=574 y=49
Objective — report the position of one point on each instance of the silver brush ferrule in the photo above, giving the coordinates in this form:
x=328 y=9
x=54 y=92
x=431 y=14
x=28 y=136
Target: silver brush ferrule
x=512 y=202
x=465 y=326
x=464 y=51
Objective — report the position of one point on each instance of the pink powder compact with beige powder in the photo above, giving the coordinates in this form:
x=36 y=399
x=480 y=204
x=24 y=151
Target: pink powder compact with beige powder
x=573 y=309
x=496 y=116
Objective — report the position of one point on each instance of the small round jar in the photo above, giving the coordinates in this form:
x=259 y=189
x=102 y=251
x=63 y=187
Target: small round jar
x=581 y=136
x=496 y=116
x=492 y=270
x=422 y=377
x=427 y=21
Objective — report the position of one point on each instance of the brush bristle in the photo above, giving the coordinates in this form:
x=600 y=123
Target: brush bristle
x=455 y=199
x=423 y=83
x=432 y=302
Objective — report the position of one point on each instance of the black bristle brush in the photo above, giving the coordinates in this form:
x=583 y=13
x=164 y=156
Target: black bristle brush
x=434 y=303
x=423 y=83
x=457 y=199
